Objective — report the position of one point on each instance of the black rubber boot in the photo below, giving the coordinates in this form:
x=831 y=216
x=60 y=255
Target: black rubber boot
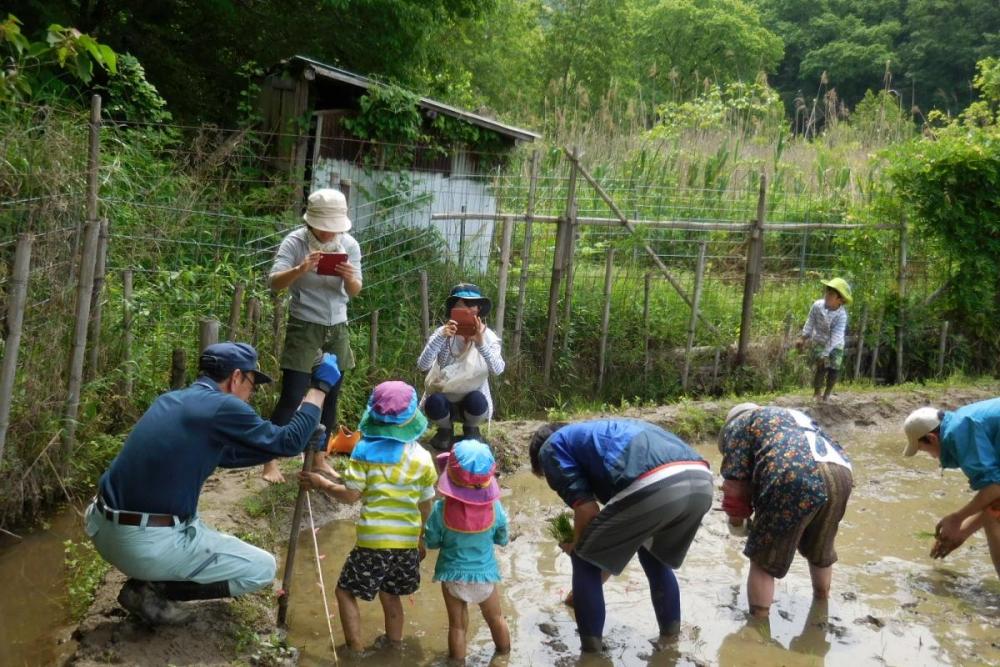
x=471 y=433
x=442 y=439
x=192 y=590
x=590 y=644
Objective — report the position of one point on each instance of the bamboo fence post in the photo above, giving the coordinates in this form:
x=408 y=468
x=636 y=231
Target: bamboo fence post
x=253 y=320
x=373 y=341
x=609 y=266
x=569 y=255
x=942 y=348
x=178 y=368
x=505 y=241
x=624 y=221
x=901 y=326
x=127 y=328
x=461 y=241
x=95 y=316
x=525 y=257
x=558 y=263
x=715 y=368
x=787 y=336
x=235 y=309
x=861 y=342
x=755 y=247
x=425 y=308
x=878 y=344
x=646 y=292
x=277 y=320
x=86 y=281
x=16 y=299
x=699 y=272
x=208 y=333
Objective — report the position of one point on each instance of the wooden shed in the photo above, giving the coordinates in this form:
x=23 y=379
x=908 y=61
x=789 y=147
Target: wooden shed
x=303 y=104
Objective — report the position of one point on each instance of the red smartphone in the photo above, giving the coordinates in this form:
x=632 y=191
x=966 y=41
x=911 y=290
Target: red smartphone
x=329 y=261
x=466 y=320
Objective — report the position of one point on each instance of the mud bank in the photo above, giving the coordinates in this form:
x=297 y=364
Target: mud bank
x=242 y=631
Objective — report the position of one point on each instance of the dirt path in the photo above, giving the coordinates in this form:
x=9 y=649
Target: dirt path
x=241 y=631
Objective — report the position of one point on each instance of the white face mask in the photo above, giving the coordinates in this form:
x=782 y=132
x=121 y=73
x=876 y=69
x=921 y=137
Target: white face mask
x=315 y=245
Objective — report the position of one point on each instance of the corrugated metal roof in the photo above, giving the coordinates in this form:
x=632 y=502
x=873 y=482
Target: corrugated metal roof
x=350 y=78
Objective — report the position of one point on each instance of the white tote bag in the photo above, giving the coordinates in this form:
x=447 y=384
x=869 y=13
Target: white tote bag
x=467 y=372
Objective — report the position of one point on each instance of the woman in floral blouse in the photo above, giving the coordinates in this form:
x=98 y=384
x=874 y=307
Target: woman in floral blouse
x=795 y=480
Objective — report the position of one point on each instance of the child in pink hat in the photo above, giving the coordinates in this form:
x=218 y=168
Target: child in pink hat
x=464 y=525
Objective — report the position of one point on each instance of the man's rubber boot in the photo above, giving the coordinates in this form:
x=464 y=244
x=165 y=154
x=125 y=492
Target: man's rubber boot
x=192 y=590
x=142 y=599
x=471 y=433
x=442 y=439
x=590 y=644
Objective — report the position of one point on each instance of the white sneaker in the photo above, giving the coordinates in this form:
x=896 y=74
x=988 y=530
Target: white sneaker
x=142 y=599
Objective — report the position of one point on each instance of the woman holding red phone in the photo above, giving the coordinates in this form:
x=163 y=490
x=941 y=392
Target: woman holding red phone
x=320 y=266
x=459 y=358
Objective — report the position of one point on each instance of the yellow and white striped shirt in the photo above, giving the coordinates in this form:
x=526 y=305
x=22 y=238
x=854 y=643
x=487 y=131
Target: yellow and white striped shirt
x=390 y=518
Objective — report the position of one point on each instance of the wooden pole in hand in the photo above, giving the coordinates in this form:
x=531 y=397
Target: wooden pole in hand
x=293 y=541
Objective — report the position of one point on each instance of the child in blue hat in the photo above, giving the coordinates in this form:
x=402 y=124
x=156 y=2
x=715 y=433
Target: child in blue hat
x=465 y=524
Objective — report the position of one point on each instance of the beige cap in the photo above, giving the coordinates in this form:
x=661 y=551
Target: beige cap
x=920 y=422
x=739 y=409
x=327 y=211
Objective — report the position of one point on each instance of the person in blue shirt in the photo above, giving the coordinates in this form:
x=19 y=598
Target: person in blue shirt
x=465 y=524
x=654 y=490
x=968 y=438
x=144 y=519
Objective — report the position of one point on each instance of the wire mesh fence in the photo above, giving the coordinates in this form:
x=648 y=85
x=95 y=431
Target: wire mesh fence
x=197 y=241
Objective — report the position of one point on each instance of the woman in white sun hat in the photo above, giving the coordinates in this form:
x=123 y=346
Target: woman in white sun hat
x=317 y=313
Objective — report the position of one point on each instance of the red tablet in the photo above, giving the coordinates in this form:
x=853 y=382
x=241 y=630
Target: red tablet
x=466 y=320
x=329 y=261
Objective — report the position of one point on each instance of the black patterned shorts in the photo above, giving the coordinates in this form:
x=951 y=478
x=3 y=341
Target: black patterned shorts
x=392 y=571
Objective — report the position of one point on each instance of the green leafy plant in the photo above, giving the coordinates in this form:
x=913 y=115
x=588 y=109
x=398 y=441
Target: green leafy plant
x=85 y=570
x=560 y=527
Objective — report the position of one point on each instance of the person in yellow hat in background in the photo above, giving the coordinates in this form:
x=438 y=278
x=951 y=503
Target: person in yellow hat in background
x=823 y=335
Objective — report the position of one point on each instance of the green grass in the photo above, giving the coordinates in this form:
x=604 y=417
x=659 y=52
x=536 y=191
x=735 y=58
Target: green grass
x=85 y=570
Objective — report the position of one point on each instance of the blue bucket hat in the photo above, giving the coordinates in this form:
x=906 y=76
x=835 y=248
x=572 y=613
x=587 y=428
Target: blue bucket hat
x=470 y=294
x=224 y=358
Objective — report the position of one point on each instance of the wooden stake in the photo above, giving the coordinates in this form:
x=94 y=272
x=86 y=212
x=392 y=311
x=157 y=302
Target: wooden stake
x=93 y=369
x=373 y=342
x=525 y=257
x=901 y=326
x=127 y=328
x=755 y=247
x=609 y=266
x=425 y=308
x=86 y=281
x=508 y=232
x=293 y=542
x=235 y=309
x=861 y=342
x=178 y=368
x=208 y=333
x=277 y=321
x=693 y=321
x=942 y=348
x=878 y=344
x=16 y=299
x=646 y=292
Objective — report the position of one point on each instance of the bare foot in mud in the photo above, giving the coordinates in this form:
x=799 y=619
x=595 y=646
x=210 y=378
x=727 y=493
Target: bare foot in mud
x=272 y=473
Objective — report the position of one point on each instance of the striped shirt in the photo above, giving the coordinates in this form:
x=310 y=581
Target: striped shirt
x=445 y=350
x=390 y=517
x=826 y=327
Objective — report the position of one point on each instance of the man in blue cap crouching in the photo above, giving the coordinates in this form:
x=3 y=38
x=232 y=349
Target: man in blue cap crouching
x=144 y=519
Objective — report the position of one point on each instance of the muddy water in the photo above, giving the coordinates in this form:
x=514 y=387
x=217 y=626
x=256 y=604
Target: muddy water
x=33 y=604
x=890 y=605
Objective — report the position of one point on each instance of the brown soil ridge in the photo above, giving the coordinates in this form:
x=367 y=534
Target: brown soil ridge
x=107 y=636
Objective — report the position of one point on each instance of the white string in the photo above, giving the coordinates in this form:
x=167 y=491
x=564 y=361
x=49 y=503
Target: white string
x=319 y=571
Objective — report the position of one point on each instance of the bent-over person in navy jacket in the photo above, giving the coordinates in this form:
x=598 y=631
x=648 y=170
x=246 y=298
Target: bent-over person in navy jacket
x=654 y=490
